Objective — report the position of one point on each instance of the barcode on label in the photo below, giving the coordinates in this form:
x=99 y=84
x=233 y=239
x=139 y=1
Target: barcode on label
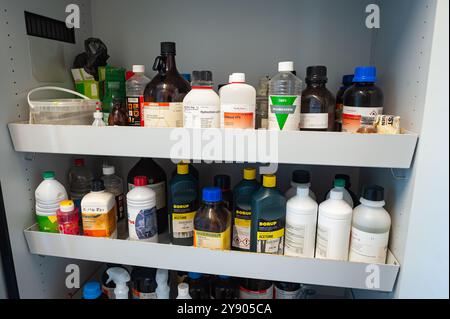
x=183 y=234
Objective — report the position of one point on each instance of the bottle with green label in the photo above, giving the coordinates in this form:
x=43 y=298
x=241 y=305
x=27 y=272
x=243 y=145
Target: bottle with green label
x=183 y=204
x=285 y=94
x=268 y=218
x=242 y=211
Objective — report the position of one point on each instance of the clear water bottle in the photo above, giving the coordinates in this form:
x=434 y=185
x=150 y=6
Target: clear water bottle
x=114 y=185
x=135 y=94
x=80 y=180
x=285 y=91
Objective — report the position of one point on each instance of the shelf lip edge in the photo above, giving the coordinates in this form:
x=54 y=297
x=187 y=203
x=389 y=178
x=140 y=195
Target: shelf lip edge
x=290 y=263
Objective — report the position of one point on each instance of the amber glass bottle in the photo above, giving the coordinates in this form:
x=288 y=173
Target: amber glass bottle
x=163 y=96
x=318 y=104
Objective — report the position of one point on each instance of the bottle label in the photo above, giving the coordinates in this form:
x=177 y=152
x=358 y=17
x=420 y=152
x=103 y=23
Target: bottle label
x=143 y=295
x=160 y=191
x=283 y=294
x=120 y=202
x=368 y=248
x=201 y=116
x=259 y=294
x=270 y=237
x=295 y=240
x=217 y=241
x=108 y=292
x=134 y=107
x=241 y=229
x=322 y=242
x=163 y=114
x=238 y=116
x=354 y=118
x=314 y=121
x=98 y=222
x=284 y=112
x=142 y=223
x=183 y=221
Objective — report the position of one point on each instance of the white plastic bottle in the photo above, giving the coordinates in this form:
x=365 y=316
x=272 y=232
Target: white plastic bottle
x=98 y=212
x=300 y=179
x=183 y=291
x=301 y=223
x=114 y=185
x=98 y=118
x=339 y=185
x=201 y=106
x=370 y=228
x=334 y=225
x=141 y=203
x=285 y=95
x=163 y=289
x=238 y=104
x=120 y=277
x=48 y=195
x=135 y=87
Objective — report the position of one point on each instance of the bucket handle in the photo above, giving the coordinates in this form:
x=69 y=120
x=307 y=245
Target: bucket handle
x=54 y=88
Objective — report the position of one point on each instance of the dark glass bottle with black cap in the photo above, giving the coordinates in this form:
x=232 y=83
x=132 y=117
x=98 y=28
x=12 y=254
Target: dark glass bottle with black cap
x=143 y=283
x=168 y=86
x=300 y=178
x=318 y=103
x=224 y=183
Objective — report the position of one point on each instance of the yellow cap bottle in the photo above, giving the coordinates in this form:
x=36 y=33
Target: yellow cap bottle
x=182 y=169
x=250 y=174
x=270 y=181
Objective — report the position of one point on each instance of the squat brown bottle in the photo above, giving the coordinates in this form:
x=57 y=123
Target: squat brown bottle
x=163 y=96
x=318 y=104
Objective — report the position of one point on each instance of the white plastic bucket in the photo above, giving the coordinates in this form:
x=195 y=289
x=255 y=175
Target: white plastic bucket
x=61 y=111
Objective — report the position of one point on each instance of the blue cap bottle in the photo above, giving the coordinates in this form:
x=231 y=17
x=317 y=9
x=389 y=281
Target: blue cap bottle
x=194 y=275
x=92 y=290
x=365 y=74
x=212 y=195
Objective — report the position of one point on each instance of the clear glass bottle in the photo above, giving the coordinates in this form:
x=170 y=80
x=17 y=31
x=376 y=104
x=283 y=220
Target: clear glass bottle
x=135 y=94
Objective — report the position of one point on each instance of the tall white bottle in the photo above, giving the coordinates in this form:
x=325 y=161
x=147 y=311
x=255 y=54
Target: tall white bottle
x=238 y=104
x=301 y=223
x=201 y=106
x=141 y=204
x=334 y=225
x=370 y=228
x=285 y=95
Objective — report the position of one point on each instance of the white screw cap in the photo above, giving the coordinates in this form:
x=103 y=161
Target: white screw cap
x=287 y=66
x=183 y=290
x=109 y=170
x=139 y=68
x=238 y=78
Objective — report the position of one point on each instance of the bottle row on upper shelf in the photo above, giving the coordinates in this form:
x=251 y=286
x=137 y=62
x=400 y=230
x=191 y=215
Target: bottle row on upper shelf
x=280 y=103
x=250 y=218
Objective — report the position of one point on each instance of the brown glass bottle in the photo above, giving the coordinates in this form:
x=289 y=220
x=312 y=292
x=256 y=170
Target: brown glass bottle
x=163 y=96
x=318 y=104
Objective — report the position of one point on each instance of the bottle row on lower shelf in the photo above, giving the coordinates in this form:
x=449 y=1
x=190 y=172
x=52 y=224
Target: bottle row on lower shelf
x=126 y=282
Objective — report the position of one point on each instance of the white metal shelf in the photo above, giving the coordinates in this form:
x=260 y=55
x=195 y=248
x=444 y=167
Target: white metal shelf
x=307 y=148
x=231 y=263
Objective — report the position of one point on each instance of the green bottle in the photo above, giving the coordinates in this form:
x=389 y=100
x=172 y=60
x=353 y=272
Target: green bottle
x=183 y=204
x=268 y=218
x=242 y=211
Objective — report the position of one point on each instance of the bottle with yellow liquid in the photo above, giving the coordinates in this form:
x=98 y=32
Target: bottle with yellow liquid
x=268 y=218
x=212 y=223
